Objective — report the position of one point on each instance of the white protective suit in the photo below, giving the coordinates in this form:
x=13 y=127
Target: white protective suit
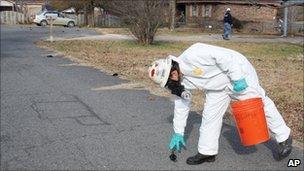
x=211 y=68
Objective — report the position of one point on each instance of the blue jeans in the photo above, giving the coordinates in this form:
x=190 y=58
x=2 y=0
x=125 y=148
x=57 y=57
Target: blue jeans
x=227 y=30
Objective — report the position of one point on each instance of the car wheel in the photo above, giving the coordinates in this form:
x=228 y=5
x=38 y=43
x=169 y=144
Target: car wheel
x=43 y=23
x=71 y=24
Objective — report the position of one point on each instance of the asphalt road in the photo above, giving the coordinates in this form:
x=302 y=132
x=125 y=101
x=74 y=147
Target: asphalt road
x=52 y=119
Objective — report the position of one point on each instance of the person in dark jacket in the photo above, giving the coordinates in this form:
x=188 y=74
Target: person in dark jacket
x=227 y=24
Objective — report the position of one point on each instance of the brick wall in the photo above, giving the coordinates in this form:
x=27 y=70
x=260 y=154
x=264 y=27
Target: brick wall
x=253 y=18
x=241 y=12
x=245 y=12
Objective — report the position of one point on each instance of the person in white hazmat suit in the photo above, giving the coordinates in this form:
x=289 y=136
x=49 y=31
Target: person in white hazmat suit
x=223 y=75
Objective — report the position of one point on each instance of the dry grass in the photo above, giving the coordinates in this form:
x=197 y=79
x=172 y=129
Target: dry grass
x=279 y=66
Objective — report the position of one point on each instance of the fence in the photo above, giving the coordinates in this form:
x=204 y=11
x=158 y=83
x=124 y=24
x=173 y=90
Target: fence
x=99 y=20
x=12 y=17
x=108 y=21
x=296 y=28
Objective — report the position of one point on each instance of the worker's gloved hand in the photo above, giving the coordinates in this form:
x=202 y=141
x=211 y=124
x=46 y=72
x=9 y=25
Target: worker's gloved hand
x=239 y=85
x=178 y=89
x=176 y=141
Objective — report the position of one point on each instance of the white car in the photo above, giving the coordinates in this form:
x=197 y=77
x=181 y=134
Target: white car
x=41 y=20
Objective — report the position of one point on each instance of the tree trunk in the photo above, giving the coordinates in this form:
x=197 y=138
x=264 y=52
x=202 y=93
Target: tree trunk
x=85 y=15
x=91 y=22
x=91 y=14
x=172 y=14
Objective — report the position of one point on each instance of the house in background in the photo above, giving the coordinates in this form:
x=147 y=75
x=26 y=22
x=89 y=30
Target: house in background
x=249 y=16
x=7 y=5
x=20 y=11
x=30 y=7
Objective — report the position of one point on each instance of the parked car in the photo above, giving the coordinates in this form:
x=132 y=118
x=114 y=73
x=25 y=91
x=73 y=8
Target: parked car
x=40 y=19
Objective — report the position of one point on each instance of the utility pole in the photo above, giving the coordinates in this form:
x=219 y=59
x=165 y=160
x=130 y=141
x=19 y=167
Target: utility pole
x=285 y=18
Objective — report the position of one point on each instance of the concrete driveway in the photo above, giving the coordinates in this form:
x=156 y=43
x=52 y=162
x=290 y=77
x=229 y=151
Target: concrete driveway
x=52 y=119
x=195 y=38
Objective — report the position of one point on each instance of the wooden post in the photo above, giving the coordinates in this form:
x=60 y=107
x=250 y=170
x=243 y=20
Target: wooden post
x=22 y=18
x=51 y=19
x=51 y=30
x=2 y=17
x=10 y=18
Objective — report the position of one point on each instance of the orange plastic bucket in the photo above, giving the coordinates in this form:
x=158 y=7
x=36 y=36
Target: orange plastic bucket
x=250 y=120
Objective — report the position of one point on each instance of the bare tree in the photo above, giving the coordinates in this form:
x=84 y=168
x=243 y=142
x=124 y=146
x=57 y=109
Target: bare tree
x=60 y=4
x=142 y=17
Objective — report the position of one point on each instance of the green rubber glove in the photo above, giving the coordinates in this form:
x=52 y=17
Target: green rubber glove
x=239 y=85
x=176 y=140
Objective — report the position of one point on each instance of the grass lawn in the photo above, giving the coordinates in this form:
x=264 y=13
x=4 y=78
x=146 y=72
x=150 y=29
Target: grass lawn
x=279 y=67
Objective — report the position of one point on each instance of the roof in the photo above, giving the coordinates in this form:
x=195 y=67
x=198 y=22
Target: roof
x=255 y=2
x=6 y=3
x=69 y=10
x=40 y=2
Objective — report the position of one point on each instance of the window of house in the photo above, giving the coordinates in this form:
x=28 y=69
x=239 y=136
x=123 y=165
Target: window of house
x=207 y=11
x=194 y=10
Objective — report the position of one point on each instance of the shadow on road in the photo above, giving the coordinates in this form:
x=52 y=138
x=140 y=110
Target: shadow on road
x=229 y=132
x=232 y=136
x=193 y=119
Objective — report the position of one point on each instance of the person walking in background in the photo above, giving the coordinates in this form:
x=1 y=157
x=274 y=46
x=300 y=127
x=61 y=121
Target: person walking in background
x=227 y=24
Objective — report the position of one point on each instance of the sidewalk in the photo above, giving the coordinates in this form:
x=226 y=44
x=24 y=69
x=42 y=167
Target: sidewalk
x=201 y=37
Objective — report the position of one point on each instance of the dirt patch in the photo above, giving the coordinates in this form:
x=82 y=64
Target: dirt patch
x=124 y=31
x=279 y=67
